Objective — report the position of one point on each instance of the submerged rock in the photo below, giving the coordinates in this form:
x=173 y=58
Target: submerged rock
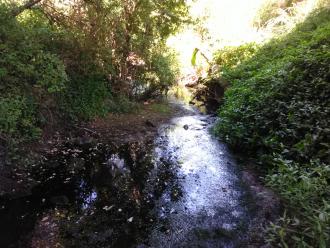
x=84 y=140
x=149 y=124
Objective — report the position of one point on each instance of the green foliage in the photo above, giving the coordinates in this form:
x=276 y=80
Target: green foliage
x=165 y=65
x=23 y=61
x=28 y=74
x=229 y=57
x=49 y=72
x=87 y=97
x=90 y=97
x=304 y=188
x=17 y=119
x=161 y=74
x=84 y=60
x=279 y=104
x=283 y=87
x=129 y=43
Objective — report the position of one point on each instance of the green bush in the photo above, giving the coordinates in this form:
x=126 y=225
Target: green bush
x=24 y=61
x=279 y=97
x=229 y=57
x=278 y=105
x=17 y=118
x=166 y=67
x=30 y=75
x=86 y=97
x=304 y=188
x=160 y=75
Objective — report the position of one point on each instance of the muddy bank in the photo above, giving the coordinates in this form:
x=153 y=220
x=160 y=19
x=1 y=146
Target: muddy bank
x=208 y=93
x=119 y=129
x=140 y=126
x=64 y=167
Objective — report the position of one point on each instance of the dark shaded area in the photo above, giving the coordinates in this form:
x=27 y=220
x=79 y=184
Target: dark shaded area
x=208 y=93
x=83 y=182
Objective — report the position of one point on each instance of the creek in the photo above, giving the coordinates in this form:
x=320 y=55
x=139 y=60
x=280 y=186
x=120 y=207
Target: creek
x=182 y=190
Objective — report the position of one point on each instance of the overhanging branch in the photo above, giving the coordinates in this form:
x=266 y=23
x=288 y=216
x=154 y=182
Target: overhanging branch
x=27 y=5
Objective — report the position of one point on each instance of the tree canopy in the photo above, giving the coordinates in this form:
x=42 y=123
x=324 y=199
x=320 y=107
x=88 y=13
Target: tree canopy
x=77 y=58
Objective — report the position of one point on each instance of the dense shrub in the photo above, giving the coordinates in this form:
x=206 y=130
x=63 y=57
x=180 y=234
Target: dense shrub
x=29 y=74
x=161 y=74
x=283 y=88
x=305 y=191
x=229 y=57
x=17 y=118
x=277 y=110
x=24 y=61
x=86 y=97
x=81 y=59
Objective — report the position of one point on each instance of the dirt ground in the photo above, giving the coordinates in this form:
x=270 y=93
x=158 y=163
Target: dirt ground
x=140 y=126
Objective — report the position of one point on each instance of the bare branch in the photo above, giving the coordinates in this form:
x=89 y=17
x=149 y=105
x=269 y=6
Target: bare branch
x=28 y=5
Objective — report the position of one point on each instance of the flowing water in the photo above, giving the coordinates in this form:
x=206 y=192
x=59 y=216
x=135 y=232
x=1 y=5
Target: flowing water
x=210 y=210
x=183 y=190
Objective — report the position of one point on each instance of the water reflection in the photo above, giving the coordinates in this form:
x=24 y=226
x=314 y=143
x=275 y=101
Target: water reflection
x=182 y=191
x=89 y=197
x=211 y=193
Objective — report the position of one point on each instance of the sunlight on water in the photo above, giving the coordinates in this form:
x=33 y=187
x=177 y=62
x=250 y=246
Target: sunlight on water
x=211 y=195
x=89 y=200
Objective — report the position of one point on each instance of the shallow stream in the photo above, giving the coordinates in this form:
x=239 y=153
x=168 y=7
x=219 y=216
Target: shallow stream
x=182 y=190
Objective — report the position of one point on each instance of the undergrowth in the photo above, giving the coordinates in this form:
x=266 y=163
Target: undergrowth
x=51 y=73
x=277 y=111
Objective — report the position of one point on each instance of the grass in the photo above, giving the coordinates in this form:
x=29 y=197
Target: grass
x=162 y=108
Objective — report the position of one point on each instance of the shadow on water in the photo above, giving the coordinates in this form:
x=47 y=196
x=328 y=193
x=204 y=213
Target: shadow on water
x=96 y=188
x=181 y=191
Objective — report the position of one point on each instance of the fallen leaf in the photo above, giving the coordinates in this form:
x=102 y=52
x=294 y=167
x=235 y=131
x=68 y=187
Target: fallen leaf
x=107 y=208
